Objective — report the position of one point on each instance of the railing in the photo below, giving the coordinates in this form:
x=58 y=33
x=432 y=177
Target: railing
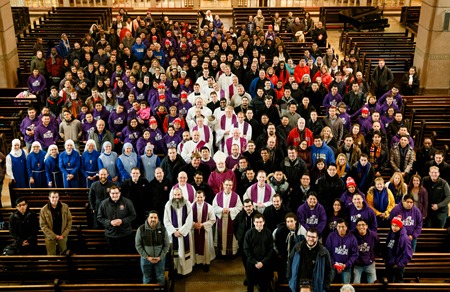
x=200 y=4
x=107 y=3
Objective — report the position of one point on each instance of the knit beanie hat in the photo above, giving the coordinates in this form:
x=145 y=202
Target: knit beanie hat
x=350 y=182
x=397 y=220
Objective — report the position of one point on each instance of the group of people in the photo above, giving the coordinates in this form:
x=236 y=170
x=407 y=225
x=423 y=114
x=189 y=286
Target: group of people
x=225 y=146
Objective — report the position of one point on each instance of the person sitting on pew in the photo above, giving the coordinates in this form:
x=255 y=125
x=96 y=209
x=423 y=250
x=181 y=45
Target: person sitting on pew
x=55 y=220
x=24 y=227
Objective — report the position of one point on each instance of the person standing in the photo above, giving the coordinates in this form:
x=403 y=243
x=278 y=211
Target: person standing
x=398 y=251
x=152 y=243
x=260 y=193
x=69 y=164
x=159 y=187
x=55 y=220
x=202 y=229
x=24 y=227
x=382 y=78
x=98 y=192
x=411 y=218
x=136 y=189
x=343 y=249
x=438 y=198
x=365 y=263
x=116 y=214
x=258 y=248
x=309 y=264
x=178 y=221
x=16 y=166
x=227 y=204
x=36 y=166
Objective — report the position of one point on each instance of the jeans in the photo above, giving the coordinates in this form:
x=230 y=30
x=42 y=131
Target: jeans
x=414 y=244
x=345 y=276
x=371 y=273
x=436 y=220
x=148 y=269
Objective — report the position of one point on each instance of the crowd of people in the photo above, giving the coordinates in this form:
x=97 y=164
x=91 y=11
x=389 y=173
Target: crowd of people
x=217 y=141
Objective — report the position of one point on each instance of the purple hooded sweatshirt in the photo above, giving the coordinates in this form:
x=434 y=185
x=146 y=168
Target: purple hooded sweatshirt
x=342 y=249
x=312 y=218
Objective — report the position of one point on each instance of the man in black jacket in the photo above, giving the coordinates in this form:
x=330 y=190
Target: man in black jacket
x=258 y=248
x=241 y=224
x=24 y=227
x=116 y=214
x=159 y=188
x=99 y=191
x=136 y=189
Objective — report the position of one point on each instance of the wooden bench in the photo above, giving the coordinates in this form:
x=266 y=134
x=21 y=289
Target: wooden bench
x=38 y=197
x=431 y=239
x=84 y=287
x=410 y=14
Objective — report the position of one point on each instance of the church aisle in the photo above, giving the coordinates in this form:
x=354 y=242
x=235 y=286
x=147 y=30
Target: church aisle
x=225 y=275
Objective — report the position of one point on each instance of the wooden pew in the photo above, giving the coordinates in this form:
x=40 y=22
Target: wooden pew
x=431 y=239
x=38 y=197
x=84 y=287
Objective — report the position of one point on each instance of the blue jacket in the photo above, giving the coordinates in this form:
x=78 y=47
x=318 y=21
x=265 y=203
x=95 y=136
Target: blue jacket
x=324 y=152
x=322 y=268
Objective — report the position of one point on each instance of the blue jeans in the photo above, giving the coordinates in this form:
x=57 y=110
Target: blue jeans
x=371 y=273
x=414 y=244
x=345 y=276
x=147 y=268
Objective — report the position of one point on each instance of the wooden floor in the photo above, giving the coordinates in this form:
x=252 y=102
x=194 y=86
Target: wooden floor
x=225 y=275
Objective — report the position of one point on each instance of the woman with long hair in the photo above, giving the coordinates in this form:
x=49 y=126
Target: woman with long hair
x=397 y=186
x=419 y=193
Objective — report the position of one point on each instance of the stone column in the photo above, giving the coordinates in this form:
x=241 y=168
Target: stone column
x=9 y=60
x=432 y=55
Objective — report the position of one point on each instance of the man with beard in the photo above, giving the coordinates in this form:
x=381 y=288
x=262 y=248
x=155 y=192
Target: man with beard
x=116 y=214
x=178 y=222
x=136 y=189
x=98 y=192
x=309 y=264
x=152 y=243
x=70 y=128
x=160 y=187
x=220 y=174
x=286 y=236
x=299 y=134
x=227 y=205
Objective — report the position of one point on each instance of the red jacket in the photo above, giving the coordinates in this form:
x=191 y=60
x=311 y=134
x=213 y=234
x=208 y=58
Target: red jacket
x=294 y=137
x=299 y=72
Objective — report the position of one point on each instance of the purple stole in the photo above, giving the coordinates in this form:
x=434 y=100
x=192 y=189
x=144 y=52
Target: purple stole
x=207 y=133
x=175 y=224
x=230 y=234
x=199 y=235
x=223 y=121
x=190 y=191
x=254 y=193
x=245 y=129
x=242 y=144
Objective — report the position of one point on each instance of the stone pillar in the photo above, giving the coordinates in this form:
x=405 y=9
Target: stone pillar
x=9 y=60
x=432 y=55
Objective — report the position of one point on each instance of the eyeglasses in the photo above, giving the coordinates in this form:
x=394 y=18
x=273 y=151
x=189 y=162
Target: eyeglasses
x=312 y=237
